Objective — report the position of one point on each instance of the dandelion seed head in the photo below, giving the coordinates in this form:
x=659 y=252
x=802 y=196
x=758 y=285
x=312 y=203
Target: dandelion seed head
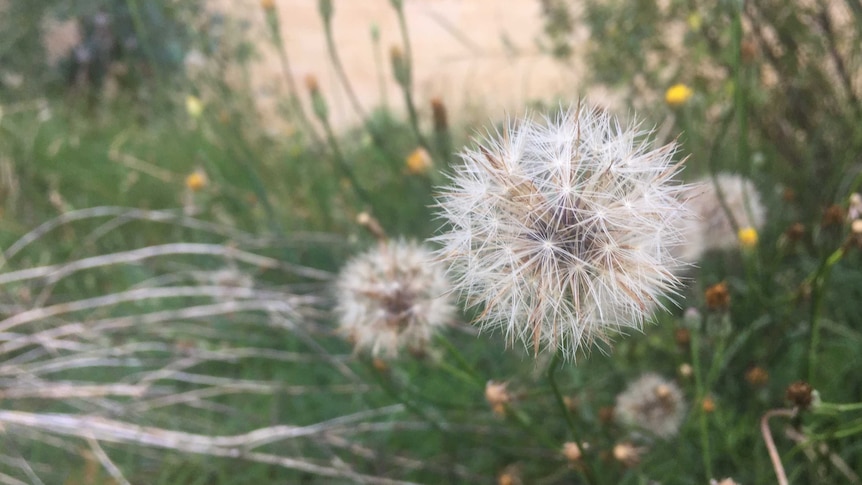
x=653 y=404
x=392 y=297
x=560 y=232
x=712 y=229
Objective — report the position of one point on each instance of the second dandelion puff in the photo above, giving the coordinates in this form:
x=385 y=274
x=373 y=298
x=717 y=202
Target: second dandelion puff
x=560 y=232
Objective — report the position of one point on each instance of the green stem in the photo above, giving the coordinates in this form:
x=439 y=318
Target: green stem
x=739 y=92
x=287 y=74
x=459 y=358
x=570 y=421
x=342 y=165
x=407 y=87
x=818 y=284
x=701 y=394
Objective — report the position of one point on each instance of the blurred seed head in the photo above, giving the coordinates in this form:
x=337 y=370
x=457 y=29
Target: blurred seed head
x=712 y=229
x=561 y=232
x=392 y=297
x=652 y=403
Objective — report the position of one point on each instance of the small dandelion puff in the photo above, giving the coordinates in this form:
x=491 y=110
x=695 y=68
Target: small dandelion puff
x=392 y=297
x=561 y=232
x=652 y=403
x=713 y=229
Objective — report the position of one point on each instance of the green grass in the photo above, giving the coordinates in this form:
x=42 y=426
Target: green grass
x=278 y=219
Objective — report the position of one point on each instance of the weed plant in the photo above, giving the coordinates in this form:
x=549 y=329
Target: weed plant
x=170 y=286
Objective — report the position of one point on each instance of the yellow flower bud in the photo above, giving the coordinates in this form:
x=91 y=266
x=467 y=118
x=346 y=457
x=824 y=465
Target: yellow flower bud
x=747 y=237
x=678 y=94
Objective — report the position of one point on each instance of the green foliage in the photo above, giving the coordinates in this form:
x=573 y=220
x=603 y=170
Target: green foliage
x=776 y=98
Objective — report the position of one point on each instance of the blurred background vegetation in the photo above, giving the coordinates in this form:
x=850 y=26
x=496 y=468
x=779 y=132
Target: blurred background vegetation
x=137 y=167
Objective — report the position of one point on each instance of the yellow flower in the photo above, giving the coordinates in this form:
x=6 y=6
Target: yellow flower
x=678 y=94
x=747 y=237
x=694 y=22
x=196 y=180
x=419 y=161
x=194 y=106
x=267 y=4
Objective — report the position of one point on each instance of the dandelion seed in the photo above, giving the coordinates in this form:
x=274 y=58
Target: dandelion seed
x=652 y=403
x=561 y=232
x=678 y=94
x=392 y=297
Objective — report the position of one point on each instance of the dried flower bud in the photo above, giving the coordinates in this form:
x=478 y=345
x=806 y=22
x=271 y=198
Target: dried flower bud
x=795 y=232
x=717 y=297
x=606 y=414
x=371 y=224
x=682 y=337
x=400 y=66
x=707 y=405
x=498 y=397
x=833 y=216
x=419 y=161
x=196 y=180
x=757 y=376
x=748 y=51
x=438 y=114
x=800 y=393
x=572 y=451
x=511 y=475
x=628 y=454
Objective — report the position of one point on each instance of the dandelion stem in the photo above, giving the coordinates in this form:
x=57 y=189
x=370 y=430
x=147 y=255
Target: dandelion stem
x=701 y=394
x=407 y=87
x=818 y=283
x=468 y=370
x=570 y=422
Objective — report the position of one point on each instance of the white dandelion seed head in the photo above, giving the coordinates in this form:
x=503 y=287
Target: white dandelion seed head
x=712 y=230
x=652 y=403
x=392 y=297
x=561 y=232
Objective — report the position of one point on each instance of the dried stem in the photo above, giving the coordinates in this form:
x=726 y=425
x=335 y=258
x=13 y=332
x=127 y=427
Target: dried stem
x=770 y=443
